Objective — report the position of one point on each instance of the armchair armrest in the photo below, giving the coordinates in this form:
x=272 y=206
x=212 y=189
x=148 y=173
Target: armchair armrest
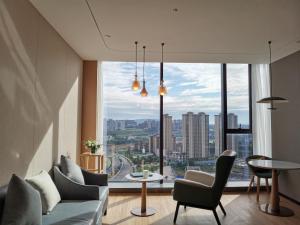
x=94 y=178
x=70 y=190
x=200 y=177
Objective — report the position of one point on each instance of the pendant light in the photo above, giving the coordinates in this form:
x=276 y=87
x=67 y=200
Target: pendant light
x=162 y=90
x=272 y=99
x=135 y=83
x=144 y=92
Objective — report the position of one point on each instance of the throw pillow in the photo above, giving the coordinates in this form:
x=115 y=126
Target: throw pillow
x=71 y=169
x=47 y=189
x=22 y=204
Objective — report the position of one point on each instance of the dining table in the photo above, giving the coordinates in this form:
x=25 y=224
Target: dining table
x=274 y=207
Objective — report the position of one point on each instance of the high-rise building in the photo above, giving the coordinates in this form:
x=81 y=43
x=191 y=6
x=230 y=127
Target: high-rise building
x=167 y=135
x=195 y=128
x=154 y=144
x=218 y=135
x=232 y=123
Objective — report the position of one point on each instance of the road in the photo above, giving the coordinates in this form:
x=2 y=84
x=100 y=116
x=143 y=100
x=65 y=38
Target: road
x=124 y=170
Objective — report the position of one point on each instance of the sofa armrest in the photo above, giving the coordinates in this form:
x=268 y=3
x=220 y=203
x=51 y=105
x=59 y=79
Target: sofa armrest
x=199 y=176
x=70 y=190
x=95 y=178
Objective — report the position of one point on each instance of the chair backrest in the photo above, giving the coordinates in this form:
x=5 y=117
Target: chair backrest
x=223 y=168
x=255 y=157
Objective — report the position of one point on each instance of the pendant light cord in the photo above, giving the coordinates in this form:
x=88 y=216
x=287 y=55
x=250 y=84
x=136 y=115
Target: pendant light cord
x=162 y=59
x=270 y=68
x=136 y=58
x=144 y=47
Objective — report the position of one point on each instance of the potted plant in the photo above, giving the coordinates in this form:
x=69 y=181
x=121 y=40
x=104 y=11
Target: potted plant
x=92 y=145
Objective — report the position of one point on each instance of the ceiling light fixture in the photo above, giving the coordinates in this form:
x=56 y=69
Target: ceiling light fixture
x=144 y=92
x=135 y=83
x=162 y=90
x=272 y=99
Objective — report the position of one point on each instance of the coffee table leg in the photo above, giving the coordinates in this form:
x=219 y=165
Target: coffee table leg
x=274 y=207
x=144 y=210
x=144 y=197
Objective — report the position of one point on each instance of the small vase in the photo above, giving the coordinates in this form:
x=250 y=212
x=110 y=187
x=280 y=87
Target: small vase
x=93 y=150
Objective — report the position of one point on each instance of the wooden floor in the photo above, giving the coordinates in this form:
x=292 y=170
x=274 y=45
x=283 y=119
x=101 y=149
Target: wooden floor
x=241 y=210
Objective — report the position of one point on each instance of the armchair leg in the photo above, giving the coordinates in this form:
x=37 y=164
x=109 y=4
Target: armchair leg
x=222 y=208
x=216 y=216
x=105 y=212
x=176 y=213
x=184 y=207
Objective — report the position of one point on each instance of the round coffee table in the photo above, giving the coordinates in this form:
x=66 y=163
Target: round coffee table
x=144 y=211
x=274 y=208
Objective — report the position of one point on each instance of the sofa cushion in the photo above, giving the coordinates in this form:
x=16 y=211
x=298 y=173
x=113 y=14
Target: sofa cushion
x=47 y=189
x=22 y=204
x=75 y=213
x=71 y=169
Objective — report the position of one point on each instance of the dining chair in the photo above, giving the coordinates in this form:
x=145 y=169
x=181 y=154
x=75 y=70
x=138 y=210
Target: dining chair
x=259 y=173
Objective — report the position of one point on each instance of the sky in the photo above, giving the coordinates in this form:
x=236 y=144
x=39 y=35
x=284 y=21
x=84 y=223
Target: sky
x=192 y=87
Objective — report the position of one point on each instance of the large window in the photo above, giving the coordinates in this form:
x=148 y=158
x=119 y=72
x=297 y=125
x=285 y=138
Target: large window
x=207 y=107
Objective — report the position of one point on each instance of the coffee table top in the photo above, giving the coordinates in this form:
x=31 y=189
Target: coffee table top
x=274 y=164
x=154 y=177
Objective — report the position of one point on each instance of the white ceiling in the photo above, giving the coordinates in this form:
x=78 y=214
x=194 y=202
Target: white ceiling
x=201 y=30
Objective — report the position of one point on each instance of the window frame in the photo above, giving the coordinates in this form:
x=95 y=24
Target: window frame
x=224 y=106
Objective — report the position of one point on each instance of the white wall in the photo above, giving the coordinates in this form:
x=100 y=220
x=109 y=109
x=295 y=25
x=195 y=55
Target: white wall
x=40 y=93
x=286 y=121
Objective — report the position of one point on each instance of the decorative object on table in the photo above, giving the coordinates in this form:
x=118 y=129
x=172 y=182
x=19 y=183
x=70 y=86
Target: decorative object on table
x=139 y=174
x=92 y=145
x=259 y=173
x=162 y=89
x=144 y=210
x=145 y=174
x=144 y=92
x=135 y=83
x=202 y=190
x=272 y=99
x=274 y=208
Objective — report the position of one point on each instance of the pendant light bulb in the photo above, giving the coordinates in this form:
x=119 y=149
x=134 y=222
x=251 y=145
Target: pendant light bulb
x=135 y=84
x=144 y=92
x=162 y=89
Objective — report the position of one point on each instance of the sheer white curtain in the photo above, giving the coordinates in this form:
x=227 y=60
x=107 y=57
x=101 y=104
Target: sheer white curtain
x=261 y=117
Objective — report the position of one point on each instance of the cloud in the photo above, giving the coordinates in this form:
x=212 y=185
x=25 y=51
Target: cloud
x=191 y=87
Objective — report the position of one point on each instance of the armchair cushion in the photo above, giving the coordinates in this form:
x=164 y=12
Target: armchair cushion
x=191 y=192
x=199 y=176
x=71 y=169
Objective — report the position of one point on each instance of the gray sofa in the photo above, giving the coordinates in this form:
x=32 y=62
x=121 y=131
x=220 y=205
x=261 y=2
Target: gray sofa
x=80 y=205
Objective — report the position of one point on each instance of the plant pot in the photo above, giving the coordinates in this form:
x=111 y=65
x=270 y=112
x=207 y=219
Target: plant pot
x=93 y=150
